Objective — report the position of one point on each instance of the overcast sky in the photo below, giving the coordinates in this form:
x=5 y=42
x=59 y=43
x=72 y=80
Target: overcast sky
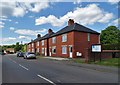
x=22 y=21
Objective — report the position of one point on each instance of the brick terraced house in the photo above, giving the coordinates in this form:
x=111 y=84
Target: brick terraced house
x=70 y=42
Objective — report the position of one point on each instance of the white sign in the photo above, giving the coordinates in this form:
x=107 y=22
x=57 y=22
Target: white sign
x=96 y=48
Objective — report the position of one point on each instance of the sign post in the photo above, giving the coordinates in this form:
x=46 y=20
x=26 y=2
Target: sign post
x=96 y=48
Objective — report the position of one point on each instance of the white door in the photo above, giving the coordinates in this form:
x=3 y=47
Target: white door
x=70 y=51
x=45 y=52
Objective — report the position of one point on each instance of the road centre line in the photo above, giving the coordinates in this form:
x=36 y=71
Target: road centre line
x=46 y=79
x=23 y=67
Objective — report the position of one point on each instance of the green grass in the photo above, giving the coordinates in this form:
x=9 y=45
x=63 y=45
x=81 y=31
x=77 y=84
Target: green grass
x=105 y=62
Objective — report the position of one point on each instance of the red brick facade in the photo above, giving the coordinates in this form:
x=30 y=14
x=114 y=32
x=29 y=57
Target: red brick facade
x=75 y=45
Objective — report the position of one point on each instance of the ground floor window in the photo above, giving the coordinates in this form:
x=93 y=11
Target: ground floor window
x=42 y=50
x=29 y=50
x=37 y=49
x=54 y=49
x=32 y=50
x=64 y=49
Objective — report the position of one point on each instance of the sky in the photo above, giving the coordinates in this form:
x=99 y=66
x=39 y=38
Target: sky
x=22 y=21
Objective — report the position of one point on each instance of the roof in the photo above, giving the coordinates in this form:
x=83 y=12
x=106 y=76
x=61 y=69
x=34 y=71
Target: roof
x=75 y=27
x=42 y=38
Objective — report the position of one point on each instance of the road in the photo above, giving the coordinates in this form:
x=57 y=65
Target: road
x=19 y=70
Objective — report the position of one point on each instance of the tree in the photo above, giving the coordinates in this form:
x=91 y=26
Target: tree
x=17 y=47
x=111 y=35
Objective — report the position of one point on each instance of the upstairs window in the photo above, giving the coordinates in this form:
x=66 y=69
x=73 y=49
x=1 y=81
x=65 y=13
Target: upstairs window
x=32 y=44
x=54 y=49
x=29 y=45
x=88 y=36
x=64 y=38
x=42 y=42
x=54 y=40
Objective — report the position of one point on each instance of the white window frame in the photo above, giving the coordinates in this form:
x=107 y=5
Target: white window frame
x=38 y=49
x=43 y=50
x=29 y=50
x=54 y=48
x=64 y=49
x=38 y=43
x=88 y=36
x=32 y=44
x=33 y=50
x=53 y=39
x=64 y=38
x=29 y=45
x=42 y=42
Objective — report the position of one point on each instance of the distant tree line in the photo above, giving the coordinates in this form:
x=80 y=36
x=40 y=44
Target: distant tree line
x=17 y=47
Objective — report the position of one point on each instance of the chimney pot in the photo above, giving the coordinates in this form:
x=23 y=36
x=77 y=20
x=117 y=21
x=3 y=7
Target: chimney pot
x=38 y=35
x=70 y=22
x=50 y=30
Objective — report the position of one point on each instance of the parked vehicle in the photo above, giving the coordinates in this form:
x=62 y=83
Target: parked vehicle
x=29 y=55
x=2 y=53
x=20 y=54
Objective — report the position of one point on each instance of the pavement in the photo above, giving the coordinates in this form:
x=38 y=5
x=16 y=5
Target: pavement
x=43 y=70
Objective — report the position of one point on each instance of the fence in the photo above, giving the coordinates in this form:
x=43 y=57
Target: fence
x=94 y=56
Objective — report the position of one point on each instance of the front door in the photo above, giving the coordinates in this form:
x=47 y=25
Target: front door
x=45 y=52
x=70 y=51
x=50 y=51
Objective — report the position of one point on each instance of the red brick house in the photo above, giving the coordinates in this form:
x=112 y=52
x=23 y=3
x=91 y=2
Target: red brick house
x=71 y=41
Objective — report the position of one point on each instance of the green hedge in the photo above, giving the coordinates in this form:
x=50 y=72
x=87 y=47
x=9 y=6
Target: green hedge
x=111 y=46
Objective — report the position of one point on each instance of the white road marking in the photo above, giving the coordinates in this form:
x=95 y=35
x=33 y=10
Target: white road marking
x=23 y=67
x=46 y=79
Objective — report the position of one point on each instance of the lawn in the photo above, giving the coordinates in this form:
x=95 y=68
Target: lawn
x=105 y=62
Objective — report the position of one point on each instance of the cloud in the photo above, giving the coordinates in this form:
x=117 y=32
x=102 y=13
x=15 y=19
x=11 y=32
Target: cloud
x=2 y=24
x=12 y=28
x=39 y=6
x=113 y=1
x=90 y=14
x=16 y=22
x=19 y=9
x=24 y=37
x=115 y=22
x=77 y=2
x=30 y=32
x=50 y=19
x=9 y=39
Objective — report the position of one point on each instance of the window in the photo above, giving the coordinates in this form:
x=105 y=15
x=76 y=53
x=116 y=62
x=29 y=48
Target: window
x=29 y=45
x=54 y=49
x=32 y=50
x=32 y=44
x=64 y=37
x=54 y=40
x=38 y=43
x=64 y=49
x=37 y=49
x=88 y=36
x=42 y=42
x=42 y=50
x=29 y=50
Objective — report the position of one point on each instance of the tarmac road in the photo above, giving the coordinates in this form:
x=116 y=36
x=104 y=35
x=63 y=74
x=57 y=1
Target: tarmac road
x=19 y=70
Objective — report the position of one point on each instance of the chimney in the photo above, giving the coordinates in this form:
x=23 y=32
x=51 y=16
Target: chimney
x=31 y=40
x=50 y=30
x=38 y=36
x=70 y=22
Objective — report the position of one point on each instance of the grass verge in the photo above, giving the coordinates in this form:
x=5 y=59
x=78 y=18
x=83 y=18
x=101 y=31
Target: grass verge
x=106 y=62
